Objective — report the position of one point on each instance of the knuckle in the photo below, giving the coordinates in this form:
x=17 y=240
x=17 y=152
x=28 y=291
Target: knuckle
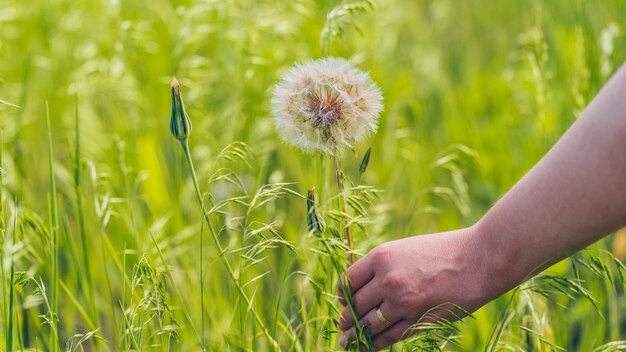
x=380 y=254
x=394 y=281
x=409 y=301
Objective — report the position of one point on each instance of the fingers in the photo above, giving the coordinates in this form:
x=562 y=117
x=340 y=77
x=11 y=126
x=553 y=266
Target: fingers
x=359 y=274
x=376 y=320
x=393 y=334
x=340 y=294
x=388 y=336
x=366 y=299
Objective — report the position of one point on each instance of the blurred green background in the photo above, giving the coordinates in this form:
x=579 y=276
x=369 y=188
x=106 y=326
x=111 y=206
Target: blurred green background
x=475 y=93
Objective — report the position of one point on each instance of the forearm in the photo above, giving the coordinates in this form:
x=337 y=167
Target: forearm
x=575 y=195
x=571 y=198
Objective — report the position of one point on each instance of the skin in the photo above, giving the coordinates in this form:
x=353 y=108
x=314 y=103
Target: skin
x=574 y=196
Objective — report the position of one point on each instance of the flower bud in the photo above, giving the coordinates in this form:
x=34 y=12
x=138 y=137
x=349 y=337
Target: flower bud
x=180 y=124
x=314 y=220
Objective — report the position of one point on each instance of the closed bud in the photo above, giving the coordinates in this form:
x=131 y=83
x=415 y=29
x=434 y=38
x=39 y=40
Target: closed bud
x=314 y=220
x=180 y=124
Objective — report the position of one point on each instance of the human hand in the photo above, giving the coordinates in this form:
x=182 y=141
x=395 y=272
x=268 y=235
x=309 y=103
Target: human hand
x=409 y=277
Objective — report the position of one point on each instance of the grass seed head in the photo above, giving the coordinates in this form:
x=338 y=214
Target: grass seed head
x=365 y=161
x=324 y=104
x=180 y=124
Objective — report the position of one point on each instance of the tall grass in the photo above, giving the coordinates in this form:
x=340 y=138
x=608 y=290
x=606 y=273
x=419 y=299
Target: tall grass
x=104 y=230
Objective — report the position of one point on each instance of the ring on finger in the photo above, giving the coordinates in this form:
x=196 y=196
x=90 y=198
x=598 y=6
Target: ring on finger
x=382 y=318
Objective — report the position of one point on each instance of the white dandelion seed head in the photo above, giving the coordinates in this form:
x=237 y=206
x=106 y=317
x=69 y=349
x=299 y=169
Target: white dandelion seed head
x=325 y=104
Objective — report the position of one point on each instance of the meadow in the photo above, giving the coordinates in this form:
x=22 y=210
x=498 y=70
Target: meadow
x=103 y=246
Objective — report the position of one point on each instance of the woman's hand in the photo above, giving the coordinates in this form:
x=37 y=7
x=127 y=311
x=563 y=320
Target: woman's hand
x=571 y=198
x=407 y=278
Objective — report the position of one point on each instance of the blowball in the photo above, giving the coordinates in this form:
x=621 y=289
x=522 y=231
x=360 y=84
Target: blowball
x=326 y=104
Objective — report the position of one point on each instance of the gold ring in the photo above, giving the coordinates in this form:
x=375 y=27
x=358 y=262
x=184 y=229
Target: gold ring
x=382 y=318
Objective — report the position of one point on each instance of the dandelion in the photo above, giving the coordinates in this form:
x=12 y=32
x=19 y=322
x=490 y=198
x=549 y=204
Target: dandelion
x=325 y=104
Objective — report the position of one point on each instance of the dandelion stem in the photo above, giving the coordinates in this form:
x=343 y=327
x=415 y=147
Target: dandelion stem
x=344 y=205
x=218 y=245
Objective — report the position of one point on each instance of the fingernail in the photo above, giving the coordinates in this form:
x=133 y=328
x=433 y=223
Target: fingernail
x=342 y=340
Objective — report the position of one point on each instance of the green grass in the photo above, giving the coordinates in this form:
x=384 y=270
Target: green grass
x=475 y=93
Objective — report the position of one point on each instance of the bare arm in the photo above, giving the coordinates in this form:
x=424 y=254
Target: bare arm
x=574 y=196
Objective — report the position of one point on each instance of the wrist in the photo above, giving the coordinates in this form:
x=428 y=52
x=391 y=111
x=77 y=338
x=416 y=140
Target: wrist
x=495 y=260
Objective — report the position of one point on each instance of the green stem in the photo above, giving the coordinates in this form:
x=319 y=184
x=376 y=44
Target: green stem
x=9 y=344
x=82 y=227
x=344 y=206
x=202 y=288
x=9 y=318
x=11 y=295
x=54 y=343
x=346 y=290
x=218 y=245
x=123 y=303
